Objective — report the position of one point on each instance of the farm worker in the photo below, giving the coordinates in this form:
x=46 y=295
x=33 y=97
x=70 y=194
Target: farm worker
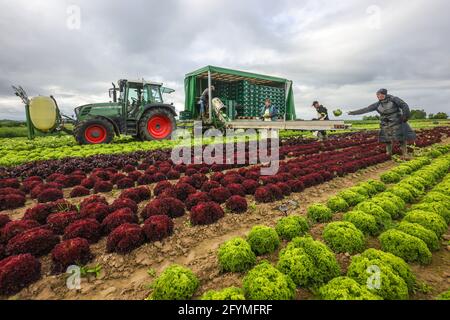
x=321 y=110
x=269 y=112
x=204 y=100
x=394 y=115
x=322 y=115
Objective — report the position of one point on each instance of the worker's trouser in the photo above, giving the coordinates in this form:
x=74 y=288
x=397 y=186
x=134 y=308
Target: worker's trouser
x=322 y=135
x=403 y=146
x=202 y=106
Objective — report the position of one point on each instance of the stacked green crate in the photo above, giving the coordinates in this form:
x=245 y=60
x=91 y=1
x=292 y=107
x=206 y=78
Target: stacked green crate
x=222 y=91
x=252 y=98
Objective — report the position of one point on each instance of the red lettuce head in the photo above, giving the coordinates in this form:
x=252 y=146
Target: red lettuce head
x=206 y=213
x=157 y=228
x=18 y=272
x=125 y=238
x=74 y=251
x=237 y=204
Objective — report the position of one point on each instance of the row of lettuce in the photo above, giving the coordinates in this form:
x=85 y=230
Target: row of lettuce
x=408 y=229
x=16 y=151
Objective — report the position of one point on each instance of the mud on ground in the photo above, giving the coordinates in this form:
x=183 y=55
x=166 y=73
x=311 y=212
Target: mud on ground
x=127 y=276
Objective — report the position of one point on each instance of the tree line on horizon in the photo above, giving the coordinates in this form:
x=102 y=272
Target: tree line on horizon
x=416 y=114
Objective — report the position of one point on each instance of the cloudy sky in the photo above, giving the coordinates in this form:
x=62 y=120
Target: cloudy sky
x=337 y=52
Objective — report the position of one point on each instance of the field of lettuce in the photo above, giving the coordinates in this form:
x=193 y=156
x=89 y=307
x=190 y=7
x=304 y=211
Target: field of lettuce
x=340 y=220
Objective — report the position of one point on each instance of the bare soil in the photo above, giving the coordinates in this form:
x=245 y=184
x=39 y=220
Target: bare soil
x=127 y=276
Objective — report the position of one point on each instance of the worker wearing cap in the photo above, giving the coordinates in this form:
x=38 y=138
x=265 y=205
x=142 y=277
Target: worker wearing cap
x=204 y=100
x=269 y=112
x=394 y=115
x=322 y=115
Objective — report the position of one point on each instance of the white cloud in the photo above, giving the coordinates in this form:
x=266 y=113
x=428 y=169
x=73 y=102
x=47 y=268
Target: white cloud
x=326 y=47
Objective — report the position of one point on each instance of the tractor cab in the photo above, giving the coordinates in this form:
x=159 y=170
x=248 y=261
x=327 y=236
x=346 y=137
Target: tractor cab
x=136 y=94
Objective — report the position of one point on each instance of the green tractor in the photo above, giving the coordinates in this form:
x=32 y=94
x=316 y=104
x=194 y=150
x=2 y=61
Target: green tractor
x=137 y=109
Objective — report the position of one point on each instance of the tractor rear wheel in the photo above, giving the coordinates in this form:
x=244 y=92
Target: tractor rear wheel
x=157 y=124
x=94 y=131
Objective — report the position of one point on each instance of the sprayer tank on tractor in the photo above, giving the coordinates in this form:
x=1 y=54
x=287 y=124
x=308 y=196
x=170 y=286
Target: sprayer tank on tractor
x=137 y=109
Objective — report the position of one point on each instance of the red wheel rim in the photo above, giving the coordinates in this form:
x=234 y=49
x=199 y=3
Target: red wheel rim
x=95 y=134
x=159 y=127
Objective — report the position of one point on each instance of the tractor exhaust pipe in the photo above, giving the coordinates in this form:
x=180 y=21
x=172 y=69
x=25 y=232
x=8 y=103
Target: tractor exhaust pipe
x=113 y=90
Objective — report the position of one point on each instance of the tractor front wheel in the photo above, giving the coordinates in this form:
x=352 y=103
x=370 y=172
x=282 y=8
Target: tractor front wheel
x=157 y=124
x=94 y=131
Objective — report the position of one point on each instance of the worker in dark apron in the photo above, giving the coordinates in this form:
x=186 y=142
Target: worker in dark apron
x=394 y=116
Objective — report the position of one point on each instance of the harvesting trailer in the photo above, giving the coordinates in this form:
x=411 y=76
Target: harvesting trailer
x=136 y=109
x=239 y=98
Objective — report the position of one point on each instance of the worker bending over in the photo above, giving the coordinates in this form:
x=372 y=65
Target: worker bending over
x=394 y=116
x=269 y=112
x=204 y=100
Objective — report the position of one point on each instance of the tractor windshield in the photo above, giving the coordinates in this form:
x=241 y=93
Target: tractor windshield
x=154 y=94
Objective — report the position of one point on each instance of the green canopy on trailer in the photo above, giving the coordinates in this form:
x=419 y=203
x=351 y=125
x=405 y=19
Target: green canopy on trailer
x=192 y=85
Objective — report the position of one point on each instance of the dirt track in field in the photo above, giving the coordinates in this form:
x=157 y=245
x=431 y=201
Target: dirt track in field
x=126 y=276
